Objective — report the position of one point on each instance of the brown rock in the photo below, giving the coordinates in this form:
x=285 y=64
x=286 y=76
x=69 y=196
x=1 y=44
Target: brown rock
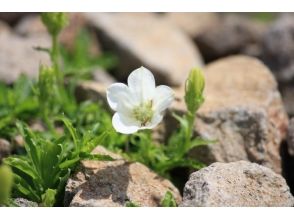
x=146 y=39
x=230 y=36
x=31 y=25
x=17 y=56
x=193 y=24
x=236 y=184
x=94 y=91
x=13 y=17
x=103 y=77
x=243 y=111
x=5 y=149
x=99 y=183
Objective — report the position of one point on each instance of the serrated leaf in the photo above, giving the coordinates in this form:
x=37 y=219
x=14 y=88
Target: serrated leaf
x=168 y=200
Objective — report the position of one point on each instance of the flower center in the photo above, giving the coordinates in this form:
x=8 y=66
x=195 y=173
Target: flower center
x=143 y=113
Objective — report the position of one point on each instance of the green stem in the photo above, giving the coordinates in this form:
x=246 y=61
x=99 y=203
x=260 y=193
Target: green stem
x=55 y=58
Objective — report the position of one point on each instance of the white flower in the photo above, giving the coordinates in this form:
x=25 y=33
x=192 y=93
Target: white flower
x=140 y=104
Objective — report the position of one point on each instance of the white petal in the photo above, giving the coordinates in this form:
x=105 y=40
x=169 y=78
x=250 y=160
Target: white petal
x=119 y=93
x=123 y=124
x=157 y=118
x=142 y=83
x=163 y=98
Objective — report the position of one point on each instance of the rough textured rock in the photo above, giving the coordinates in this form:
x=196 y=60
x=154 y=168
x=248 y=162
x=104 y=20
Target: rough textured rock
x=236 y=184
x=243 y=111
x=193 y=24
x=231 y=35
x=21 y=57
x=278 y=54
x=114 y=183
x=5 y=148
x=21 y=202
x=290 y=137
x=146 y=39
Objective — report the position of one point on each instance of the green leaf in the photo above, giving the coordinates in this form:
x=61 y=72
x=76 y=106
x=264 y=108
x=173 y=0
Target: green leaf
x=100 y=157
x=22 y=165
x=131 y=204
x=69 y=163
x=168 y=200
x=48 y=198
x=71 y=129
x=200 y=142
x=6 y=181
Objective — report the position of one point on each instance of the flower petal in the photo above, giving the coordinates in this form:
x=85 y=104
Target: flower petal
x=157 y=118
x=119 y=93
x=123 y=124
x=142 y=83
x=163 y=99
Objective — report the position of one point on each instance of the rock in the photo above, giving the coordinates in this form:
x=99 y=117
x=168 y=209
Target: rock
x=12 y=17
x=94 y=91
x=290 y=138
x=278 y=54
x=236 y=184
x=21 y=202
x=31 y=25
x=99 y=183
x=231 y=35
x=146 y=39
x=4 y=28
x=103 y=77
x=243 y=111
x=193 y=24
x=5 y=149
x=21 y=57
x=278 y=48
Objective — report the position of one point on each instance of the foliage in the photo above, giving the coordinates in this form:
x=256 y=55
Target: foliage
x=80 y=62
x=16 y=102
x=41 y=174
x=168 y=200
x=6 y=181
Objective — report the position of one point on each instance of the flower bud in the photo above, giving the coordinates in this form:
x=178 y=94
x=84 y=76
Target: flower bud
x=54 y=21
x=194 y=90
x=6 y=181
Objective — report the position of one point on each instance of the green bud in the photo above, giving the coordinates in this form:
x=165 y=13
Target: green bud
x=54 y=21
x=46 y=83
x=6 y=181
x=194 y=90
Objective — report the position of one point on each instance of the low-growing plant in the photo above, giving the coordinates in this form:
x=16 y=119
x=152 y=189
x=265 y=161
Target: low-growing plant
x=16 y=102
x=40 y=175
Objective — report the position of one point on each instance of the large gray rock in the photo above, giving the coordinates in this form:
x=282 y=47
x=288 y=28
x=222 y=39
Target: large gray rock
x=278 y=54
x=146 y=39
x=243 y=111
x=99 y=183
x=236 y=184
x=232 y=34
x=17 y=55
